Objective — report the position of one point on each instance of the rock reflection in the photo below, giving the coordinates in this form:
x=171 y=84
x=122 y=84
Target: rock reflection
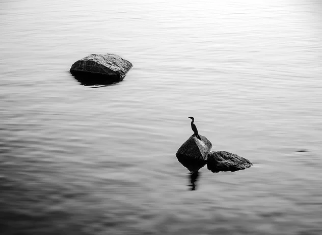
x=90 y=79
x=193 y=177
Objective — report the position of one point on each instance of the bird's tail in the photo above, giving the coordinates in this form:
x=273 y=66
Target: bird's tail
x=198 y=136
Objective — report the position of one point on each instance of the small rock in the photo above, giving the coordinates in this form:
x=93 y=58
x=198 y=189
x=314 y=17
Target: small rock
x=193 y=153
x=97 y=69
x=225 y=161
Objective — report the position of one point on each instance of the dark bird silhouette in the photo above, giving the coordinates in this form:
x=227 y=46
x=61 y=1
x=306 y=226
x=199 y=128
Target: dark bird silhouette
x=194 y=128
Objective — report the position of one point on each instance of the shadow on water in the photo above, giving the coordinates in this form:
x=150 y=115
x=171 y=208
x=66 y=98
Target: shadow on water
x=90 y=79
x=193 y=177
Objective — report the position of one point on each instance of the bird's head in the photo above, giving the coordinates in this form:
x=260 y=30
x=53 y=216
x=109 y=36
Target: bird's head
x=191 y=118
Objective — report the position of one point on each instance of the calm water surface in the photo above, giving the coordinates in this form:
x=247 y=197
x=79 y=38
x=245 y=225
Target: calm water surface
x=84 y=160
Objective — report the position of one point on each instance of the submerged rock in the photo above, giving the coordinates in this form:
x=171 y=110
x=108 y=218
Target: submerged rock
x=225 y=161
x=97 y=69
x=193 y=153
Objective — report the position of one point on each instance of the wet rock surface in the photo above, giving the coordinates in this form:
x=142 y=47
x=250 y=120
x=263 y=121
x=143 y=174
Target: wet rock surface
x=193 y=153
x=224 y=161
x=98 y=69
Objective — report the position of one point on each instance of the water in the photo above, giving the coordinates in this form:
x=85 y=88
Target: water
x=84 y=160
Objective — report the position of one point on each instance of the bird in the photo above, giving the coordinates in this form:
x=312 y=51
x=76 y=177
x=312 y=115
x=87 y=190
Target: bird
x=194 y=128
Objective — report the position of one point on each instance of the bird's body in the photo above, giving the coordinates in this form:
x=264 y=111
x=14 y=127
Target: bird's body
x=194 y=128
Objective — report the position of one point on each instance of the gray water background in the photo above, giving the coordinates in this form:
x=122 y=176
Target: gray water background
x=83 y=160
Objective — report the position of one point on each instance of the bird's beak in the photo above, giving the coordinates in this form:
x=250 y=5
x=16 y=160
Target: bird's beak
x=190 y=117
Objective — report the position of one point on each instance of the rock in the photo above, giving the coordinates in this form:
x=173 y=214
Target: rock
x=225 y=161
x=98 y=69
x=193 y=153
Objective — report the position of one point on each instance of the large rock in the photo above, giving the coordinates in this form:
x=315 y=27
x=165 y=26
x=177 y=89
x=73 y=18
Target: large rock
x=225 y=161
x=193 y=153
x=100 y=69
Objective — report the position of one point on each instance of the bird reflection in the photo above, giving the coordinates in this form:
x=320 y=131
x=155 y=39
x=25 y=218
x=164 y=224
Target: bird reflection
x=193 y=177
